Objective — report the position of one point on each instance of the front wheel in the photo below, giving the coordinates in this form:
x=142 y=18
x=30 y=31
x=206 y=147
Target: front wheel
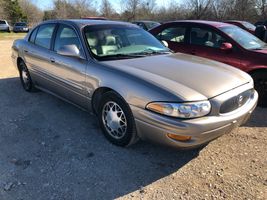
x=260 y=82
x=116 y=120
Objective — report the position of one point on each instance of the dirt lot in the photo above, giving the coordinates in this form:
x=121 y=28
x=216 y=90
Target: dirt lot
x=52 y=150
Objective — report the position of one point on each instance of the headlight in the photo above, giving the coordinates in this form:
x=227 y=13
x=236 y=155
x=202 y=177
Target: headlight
x=181 y=110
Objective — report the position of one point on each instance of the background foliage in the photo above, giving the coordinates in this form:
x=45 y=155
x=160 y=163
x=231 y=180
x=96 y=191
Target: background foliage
x=129 y=10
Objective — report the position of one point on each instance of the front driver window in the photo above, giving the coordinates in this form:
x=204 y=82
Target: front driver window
x=66 y=36
x=173 y=34
x=206 y=37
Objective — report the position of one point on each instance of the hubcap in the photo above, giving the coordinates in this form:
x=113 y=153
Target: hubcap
x=25 y=76
x=114 y=120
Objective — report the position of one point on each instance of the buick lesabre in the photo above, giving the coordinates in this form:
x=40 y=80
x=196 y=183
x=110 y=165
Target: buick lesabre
x=134 y=84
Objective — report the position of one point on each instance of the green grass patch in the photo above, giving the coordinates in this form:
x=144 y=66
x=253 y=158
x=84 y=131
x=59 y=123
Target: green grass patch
x=7 y=36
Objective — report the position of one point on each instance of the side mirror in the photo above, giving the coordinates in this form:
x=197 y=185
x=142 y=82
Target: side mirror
x=164 y=43
x=69 y=50
x=226 y=46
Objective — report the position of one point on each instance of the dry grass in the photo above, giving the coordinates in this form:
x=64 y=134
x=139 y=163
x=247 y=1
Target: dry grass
x=11 y=35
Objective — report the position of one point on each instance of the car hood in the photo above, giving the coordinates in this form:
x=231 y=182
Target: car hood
x=190 y=77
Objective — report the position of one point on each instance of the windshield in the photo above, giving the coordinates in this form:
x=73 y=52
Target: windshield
x=249 y=26
x=121 y=41
x=151 y=25
x=20 y=24
x=242 y=37
x=2 y=22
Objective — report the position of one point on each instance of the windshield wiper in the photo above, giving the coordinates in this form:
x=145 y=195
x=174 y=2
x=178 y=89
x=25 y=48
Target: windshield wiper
x=258 y=48
x=153 y=52
x=120 y=56
x=144 y=53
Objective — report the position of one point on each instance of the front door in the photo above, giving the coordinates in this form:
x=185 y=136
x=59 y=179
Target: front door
x=205 y=42
x=69 y=72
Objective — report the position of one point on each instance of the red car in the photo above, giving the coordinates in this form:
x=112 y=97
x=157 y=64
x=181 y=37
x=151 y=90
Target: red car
x=244 y=25
x=221 y=42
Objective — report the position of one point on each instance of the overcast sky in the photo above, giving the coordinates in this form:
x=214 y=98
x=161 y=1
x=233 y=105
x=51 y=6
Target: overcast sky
x=47 y=4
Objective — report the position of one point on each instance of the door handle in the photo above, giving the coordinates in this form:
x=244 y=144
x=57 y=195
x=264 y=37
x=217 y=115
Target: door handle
x=52 y=60
x=26 y=51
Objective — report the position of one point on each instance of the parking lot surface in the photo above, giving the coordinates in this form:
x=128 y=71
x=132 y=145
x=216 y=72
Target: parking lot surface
x=50 y=149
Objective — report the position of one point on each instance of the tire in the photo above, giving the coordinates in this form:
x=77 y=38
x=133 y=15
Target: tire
x=260 y=84
x=25 y=77
x=116 y=120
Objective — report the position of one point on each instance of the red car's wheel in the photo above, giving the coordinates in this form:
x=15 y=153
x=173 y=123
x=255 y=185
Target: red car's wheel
x=260 y=82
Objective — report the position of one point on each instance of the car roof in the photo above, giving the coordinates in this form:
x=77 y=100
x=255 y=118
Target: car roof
x=206 y=22
x=235 y=21
x=84 y=22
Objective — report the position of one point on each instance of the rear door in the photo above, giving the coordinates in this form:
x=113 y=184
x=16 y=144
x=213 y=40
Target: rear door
x=206 y=42
x=37 y=55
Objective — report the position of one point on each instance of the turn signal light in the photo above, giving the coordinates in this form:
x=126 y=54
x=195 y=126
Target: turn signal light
x=179 y=137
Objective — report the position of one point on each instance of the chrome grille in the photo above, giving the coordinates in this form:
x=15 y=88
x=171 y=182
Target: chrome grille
x=236 y=101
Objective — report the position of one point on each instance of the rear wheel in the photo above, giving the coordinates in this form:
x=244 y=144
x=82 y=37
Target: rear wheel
x=116 y=120
x=25 y=77
x=260 y=82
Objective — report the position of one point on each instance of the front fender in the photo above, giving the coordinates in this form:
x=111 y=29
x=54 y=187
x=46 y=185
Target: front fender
x=135 y=91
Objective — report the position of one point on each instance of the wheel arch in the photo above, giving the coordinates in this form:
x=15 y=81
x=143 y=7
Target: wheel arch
x=257 y=70
x=98 y=93
x=19 y=59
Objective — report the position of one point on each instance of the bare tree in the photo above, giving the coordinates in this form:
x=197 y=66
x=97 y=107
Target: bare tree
x=146 y=9
x=199 y=8
x=2 y=13
x=131 y=8
x=84 y=8
x=72 y=9
x=261 y=6
x=34 y=14
x=223 y=9
x=244 y=10
x=106 y=9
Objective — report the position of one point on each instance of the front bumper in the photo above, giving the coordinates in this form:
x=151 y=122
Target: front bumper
x=4 y=28
x=155 y=127
x=21 y=30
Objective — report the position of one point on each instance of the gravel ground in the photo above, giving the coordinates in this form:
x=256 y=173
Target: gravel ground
x=49 y=149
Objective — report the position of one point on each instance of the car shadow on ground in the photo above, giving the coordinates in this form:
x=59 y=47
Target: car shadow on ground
x=50 y=149
x=258 y=118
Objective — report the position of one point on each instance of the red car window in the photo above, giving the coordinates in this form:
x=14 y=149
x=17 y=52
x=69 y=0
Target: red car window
x=174 y=34
x=206 y=37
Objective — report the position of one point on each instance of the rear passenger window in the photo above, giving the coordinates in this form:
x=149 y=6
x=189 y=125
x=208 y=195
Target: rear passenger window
x=44 y=35
x=174 y=34
x=66 y=36
x=33 y=35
